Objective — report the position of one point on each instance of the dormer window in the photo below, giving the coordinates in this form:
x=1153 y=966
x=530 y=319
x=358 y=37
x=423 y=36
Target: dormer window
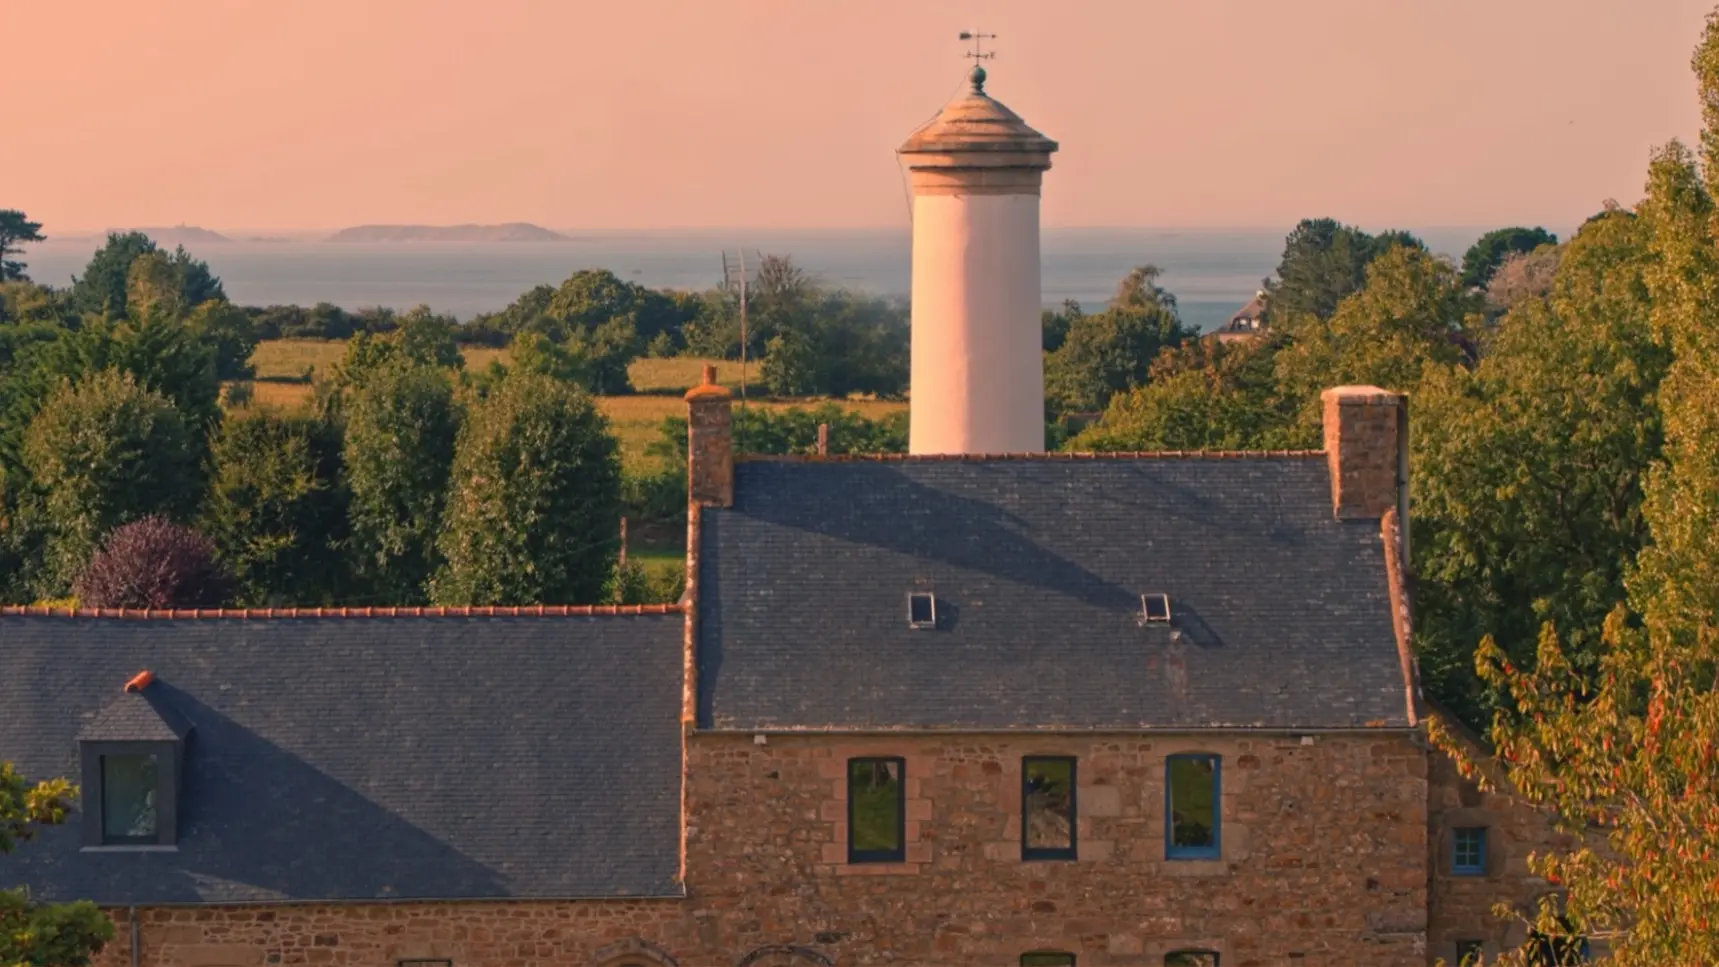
x=130 y=788
x=922 y=610
x=133 y=755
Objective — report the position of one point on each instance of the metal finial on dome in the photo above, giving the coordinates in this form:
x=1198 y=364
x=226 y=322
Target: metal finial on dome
x=977 y=77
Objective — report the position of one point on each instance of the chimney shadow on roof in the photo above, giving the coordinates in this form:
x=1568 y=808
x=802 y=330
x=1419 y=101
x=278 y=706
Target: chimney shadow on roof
x=257 y=823
x=982 y=535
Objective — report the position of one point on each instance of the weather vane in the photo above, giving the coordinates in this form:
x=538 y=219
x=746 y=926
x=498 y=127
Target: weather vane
x=978 y=39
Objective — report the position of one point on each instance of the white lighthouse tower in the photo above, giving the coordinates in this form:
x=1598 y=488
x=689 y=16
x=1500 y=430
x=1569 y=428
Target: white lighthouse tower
x=978 y=372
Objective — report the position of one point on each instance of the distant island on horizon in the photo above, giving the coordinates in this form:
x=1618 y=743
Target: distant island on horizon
x=508 y=232
x=181 y=235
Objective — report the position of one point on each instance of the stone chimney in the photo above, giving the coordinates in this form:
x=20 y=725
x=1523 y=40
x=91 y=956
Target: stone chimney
x=1366 y=437
x=710 y=443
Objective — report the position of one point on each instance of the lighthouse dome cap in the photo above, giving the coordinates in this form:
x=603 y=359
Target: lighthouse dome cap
x=976 y=121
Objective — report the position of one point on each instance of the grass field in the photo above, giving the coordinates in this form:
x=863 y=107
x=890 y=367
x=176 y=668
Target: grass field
x=633 y=419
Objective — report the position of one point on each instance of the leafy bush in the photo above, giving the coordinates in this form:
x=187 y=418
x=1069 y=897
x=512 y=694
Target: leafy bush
x=153 y=563
x=637 y=584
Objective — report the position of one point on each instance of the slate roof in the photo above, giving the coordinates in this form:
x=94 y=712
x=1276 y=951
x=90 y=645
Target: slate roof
x=1283 y=616
x=337 y=758
x=136 y=717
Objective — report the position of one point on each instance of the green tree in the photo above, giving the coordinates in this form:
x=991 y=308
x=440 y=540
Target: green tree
x=162 y=355
x=228 y=332
x=276 y=509
x=105 y=451
x=23 y=535
x=1204 y=395
x=153 y=287
x=33 y=933
x=1055 y=324
x=535 y=352
x=400 y=427
x=1139 y=289
x=1410 y=316
x=591 y=297
x=534 y=510
x=1486 y=255
x=103 y=287
x=790 y=364
x=1323 y=263
x=1625 y=754
x=609 y=350
x=1112 y=351
x=427 y=338
x=1527 y=470
x=28 y=304
x=15 y=229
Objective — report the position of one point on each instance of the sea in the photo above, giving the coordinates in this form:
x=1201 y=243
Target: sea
x=1212 y=273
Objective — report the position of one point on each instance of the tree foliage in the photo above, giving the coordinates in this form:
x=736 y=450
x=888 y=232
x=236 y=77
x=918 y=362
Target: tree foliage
x=103 y=452
x=1485 y=256
x=400 y=424
x=1523 y=275
x=1622 y=749
x=1324 y=262
x=104 y=288
x=533 y=513
x=1205 y=395
x=36 y=934
x=276 y=509
x=1527 y=470
x=15 y=229
x=1409 y=317
x=161 y=355
x=1112 y=352
x=152 y=563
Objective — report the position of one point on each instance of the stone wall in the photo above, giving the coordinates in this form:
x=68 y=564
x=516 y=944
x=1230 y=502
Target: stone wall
x=1461 y=906
x=1324 y=852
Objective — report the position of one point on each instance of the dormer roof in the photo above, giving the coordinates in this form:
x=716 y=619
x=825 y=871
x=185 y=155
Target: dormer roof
x=140 y=715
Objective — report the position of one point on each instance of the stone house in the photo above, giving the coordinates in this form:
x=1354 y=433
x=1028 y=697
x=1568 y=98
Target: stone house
x=934 y=710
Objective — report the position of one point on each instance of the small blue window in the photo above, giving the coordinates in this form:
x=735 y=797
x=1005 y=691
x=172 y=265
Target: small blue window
x=1468 y=852
x=1192 y=807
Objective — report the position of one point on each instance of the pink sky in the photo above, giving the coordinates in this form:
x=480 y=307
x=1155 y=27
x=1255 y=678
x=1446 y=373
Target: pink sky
x=315 y=114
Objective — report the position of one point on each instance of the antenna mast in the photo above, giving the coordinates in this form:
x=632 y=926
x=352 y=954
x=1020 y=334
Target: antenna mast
x=737 y=276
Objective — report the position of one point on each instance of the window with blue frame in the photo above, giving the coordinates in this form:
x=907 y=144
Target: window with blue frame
x=1192 y=806
x=1468 y=851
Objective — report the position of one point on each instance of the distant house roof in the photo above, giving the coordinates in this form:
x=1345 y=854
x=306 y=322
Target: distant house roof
x=1249 y=317
x=1282 y=615
x=341 y=758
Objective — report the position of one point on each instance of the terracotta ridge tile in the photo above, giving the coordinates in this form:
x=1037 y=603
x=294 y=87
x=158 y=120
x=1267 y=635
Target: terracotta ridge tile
x=1050 y=457
x=209 y=614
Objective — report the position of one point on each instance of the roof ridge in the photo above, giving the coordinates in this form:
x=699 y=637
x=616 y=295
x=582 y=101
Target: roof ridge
x=1054 y=456
x=485 y=611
